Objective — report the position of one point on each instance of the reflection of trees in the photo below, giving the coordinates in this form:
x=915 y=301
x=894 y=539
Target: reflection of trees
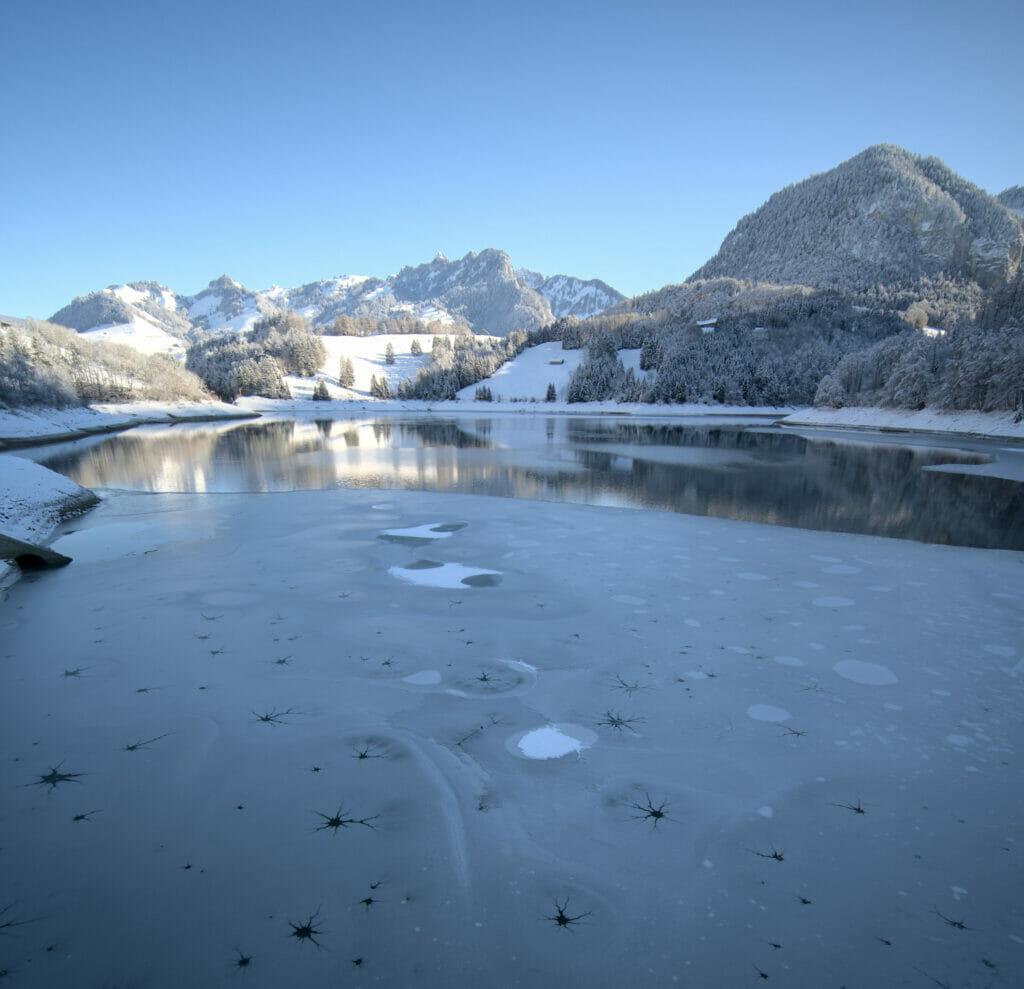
x=443 y=433
x=880 y=490
x=168 y=459
x=591 y=431
x=776 y=477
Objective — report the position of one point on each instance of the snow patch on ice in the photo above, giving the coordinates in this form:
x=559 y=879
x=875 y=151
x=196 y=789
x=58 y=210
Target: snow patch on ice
x=868 y=674
x=788 y=661
x=833 y=602
x=430 y=530
x=425 y=678
x=554 y=741
x=450 y=575
x=767 y=712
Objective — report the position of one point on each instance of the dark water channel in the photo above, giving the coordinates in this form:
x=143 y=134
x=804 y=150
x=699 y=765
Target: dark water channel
x=841 y=482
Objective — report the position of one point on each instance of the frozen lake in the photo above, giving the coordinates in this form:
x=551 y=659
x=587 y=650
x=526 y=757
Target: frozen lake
x=849 y=482
x=348 y=736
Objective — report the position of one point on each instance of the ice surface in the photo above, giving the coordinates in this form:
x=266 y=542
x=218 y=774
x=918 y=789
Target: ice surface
x=227 y=719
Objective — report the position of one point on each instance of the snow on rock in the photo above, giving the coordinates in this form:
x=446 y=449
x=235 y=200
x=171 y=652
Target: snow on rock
x=33 y=502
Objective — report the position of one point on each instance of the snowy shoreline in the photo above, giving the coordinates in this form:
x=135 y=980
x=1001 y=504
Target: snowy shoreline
x=26 y=427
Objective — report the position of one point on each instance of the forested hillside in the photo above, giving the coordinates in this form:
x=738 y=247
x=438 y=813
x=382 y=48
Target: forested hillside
x=42 y=364
x=885 y=217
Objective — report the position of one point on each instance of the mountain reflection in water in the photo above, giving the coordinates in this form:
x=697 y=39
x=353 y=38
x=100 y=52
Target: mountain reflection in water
x=728 y=470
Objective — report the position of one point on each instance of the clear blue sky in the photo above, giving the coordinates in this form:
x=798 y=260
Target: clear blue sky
x=288 y=142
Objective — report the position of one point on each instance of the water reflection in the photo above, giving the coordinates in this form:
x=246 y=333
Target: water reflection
x=732 y=471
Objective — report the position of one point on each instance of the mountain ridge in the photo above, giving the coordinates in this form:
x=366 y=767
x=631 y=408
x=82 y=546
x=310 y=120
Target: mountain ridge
x=481 y=292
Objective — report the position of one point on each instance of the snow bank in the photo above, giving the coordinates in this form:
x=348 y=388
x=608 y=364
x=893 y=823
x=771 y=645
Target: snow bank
x=993 y=424
x=34 y=499
x=19 y=427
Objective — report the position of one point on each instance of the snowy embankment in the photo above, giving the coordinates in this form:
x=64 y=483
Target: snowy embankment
x=989 y=424
x=19 y=427
x=33 y=502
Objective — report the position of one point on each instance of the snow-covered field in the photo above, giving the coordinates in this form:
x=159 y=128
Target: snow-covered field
x=400 y=738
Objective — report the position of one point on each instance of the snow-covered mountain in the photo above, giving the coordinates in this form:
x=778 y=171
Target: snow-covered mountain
x=481 y=291
x=885 y=216
x=570 y=296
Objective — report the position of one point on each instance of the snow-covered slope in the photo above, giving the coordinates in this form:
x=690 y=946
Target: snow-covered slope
x=141 y=334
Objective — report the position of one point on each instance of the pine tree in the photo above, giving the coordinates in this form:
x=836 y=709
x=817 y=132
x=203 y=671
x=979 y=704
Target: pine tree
x=415 y=349
x=389 y=353
x=346 y=373
x=551 y=395
x=379 y=387
x=320 y=392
